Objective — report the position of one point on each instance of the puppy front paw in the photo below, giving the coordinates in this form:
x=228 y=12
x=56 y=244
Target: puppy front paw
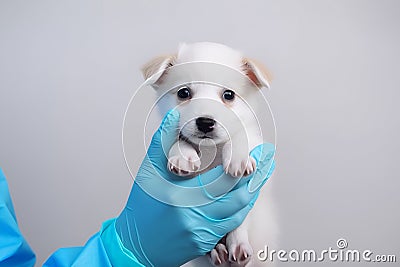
x=219 y=256
x=184 y=165
x=240 y=254
x=238 y=167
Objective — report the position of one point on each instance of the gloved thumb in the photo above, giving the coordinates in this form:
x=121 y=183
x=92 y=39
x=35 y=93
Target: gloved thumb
x=166 y=135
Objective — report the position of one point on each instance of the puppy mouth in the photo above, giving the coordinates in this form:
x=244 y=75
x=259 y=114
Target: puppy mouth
x=195 y=135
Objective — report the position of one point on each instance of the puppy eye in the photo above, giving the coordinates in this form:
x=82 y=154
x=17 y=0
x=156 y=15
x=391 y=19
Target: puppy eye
x=184 y=92
x=228 y=95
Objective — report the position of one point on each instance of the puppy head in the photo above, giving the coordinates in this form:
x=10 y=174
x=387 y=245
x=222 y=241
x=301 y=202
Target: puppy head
x=208 y=110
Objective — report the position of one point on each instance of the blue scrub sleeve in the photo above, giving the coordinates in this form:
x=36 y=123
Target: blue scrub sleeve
x=14 y=250
x=103 y=249
x=92 y=254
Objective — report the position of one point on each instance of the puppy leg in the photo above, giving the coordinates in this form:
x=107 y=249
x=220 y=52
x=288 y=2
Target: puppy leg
x=239 y=249
x=183 y=159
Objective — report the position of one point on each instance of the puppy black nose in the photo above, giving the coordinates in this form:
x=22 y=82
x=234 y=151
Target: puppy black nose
x=205 y=124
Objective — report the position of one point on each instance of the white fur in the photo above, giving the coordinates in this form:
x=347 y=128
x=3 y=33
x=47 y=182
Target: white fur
x=209 y=52
x=235 y=133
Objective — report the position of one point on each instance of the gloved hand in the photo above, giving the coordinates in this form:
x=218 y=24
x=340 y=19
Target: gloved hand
x=168 y=221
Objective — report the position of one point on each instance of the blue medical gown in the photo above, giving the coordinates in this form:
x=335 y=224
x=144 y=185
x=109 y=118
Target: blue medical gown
x=14 y=250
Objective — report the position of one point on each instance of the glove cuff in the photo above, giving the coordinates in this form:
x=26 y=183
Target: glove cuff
x=117 y=253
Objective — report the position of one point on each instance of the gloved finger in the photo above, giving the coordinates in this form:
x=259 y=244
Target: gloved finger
x=263 y=152
x=209 y=190
x=264 y=156
x=221 y=227
x=236 y=219
x=166 y=135
x=216 y=183
x=240 y=192
x=228 y=205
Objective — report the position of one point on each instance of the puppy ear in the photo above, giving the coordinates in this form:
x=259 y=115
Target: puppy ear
x=257 y=73
x=156 y=68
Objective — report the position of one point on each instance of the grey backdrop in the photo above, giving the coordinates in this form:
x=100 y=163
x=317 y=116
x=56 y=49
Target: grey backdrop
x=69 y=68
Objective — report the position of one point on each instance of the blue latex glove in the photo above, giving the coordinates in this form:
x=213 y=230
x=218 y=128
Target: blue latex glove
x=168 y=221
x=14 y=250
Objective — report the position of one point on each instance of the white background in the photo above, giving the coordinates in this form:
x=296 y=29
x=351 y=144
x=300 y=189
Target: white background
x=69 y=68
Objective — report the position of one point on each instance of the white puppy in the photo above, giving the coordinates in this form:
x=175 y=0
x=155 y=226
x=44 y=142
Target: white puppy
x=216 y=90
